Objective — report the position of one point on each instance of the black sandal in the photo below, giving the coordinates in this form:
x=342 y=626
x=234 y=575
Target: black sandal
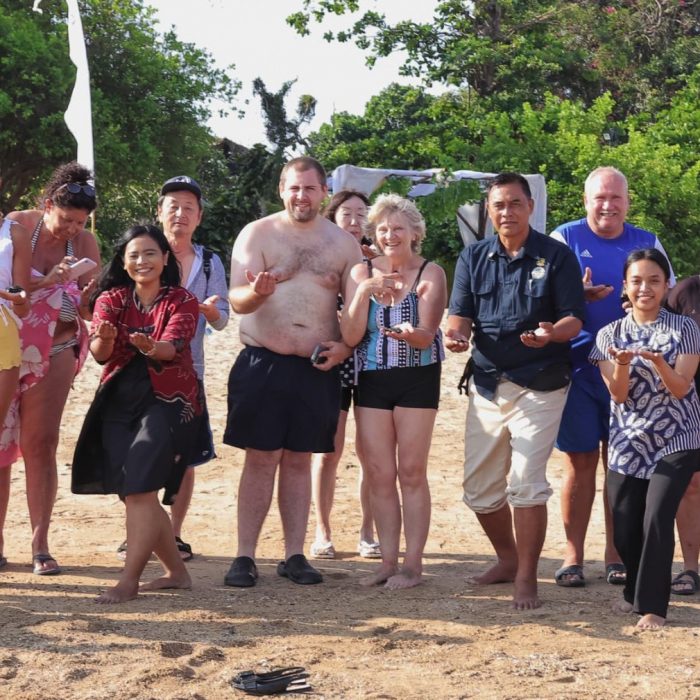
x=686 y=578
x=184 y=548
x=283 y=680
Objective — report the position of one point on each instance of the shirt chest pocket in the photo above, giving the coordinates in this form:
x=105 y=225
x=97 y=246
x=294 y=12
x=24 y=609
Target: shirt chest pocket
x=536 y=288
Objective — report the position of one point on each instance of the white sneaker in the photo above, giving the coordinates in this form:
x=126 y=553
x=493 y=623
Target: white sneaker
x=369 y=550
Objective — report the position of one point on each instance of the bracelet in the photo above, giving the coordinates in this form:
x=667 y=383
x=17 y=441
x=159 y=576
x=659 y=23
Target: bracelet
x=617 y=362
x=151 y=352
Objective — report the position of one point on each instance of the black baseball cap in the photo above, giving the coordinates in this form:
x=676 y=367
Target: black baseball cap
x=182 y=182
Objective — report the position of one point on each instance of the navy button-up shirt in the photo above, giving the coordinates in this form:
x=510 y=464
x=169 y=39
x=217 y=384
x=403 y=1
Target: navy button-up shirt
x=504 y=296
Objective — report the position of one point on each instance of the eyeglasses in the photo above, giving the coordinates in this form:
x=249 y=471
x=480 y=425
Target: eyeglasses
x=77 y=187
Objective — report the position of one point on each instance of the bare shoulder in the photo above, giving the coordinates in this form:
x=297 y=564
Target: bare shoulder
x=27 y=218
x=255 y=233
x=434 y=272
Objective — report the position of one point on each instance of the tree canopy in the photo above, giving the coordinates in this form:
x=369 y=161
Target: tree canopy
x=151 y=96
x=511 y=51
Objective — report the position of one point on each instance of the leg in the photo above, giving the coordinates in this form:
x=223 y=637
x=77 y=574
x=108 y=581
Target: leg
x=8 y=386
x=612 y=556
x=41 y=409
x=367 y=524
x=375 y=429
x=324 y=471
x=147 y=529
x=414 y=431
x=179 y=509
x=254 y=497
x=498 y=526
x=294 y=498
x=577 y=495
x=688 y=522
x=627 y=501
x=533 y=423
x=487 y=458
x=530 y=530
x=5 y=474
x=666 y=488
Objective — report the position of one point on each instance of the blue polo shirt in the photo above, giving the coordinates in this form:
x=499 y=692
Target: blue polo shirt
x=505 y=296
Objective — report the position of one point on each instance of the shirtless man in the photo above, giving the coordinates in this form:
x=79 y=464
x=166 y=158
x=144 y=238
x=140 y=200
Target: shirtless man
x=287 y=270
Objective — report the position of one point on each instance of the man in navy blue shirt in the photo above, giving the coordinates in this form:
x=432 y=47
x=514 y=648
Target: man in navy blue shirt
x=518 y=297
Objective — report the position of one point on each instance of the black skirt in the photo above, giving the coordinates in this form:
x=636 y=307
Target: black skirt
x=131 y=442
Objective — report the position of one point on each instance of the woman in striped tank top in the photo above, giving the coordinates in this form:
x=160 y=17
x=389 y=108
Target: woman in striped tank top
x=394 y=305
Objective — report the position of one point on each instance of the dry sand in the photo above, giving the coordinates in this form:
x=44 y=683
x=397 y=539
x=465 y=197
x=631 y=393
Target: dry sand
x=444 y=639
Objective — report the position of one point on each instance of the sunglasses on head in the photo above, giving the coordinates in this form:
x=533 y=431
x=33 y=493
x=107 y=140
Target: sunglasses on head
x=77 y=187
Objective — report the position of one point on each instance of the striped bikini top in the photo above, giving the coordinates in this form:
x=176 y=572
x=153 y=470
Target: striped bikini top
x=378 y=351
x=68 y=311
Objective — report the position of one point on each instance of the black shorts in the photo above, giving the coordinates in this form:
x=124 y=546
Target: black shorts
x=408 y=387
x=348 y=394
x=281 y=402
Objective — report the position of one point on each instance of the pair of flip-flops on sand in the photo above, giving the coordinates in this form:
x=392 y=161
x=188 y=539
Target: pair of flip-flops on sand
x=572 y=576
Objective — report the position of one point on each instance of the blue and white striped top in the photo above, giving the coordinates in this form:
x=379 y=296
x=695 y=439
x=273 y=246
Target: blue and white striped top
x=651 y=423
x=377 y=351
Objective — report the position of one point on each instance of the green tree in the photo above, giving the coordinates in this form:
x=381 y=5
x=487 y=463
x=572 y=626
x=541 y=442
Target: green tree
x=151 y=97
x=512 y=51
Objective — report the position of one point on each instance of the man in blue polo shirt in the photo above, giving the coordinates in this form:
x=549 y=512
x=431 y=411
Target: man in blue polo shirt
x=518 y=298
x=601 y=242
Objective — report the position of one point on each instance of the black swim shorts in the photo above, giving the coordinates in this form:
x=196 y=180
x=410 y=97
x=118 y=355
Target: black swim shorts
x=407 y=387
x=281 y=402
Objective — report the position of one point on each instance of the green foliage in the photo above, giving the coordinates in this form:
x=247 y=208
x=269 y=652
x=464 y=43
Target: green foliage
x=512 y=51
x=561 y=139
x=150 y=99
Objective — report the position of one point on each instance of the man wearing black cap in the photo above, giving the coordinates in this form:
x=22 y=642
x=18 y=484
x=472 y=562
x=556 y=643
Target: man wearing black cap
x=202 y=273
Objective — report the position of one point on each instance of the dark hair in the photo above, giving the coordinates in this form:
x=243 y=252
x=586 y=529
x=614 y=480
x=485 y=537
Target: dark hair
x=114 y=275
x=304 y=163
x=652 y=254
x=508 y=178
x=339 y=198
x=56 y=188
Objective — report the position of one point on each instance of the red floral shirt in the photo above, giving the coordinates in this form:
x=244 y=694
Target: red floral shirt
x=173 y=317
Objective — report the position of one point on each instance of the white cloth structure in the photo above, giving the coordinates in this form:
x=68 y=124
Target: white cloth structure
x=472 y=220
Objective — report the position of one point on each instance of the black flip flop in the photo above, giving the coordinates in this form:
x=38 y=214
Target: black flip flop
x=682 y=579
x=572 y=570
x=616 y=574
x=184 y=548
x=283 y=680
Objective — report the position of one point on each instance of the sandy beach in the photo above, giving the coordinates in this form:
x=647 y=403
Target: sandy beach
x=444 y=639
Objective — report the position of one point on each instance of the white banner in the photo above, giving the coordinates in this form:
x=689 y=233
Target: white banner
x=78 y=116
x=79 y=113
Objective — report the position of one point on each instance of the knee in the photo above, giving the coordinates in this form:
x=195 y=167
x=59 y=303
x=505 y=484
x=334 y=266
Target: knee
x=529 y=495
x=412 y=476
x=39 y=448
x=692 y=493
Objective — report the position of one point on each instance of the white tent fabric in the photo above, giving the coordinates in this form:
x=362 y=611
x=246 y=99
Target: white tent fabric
x=367 y=180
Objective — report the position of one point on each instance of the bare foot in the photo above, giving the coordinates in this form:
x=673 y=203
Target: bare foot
x=651 y=622
x=525 y=595
x=381 y=575
x=622 y=606
x=167 y=581
x=120 y=593
x=500 y=572
x=404 y=579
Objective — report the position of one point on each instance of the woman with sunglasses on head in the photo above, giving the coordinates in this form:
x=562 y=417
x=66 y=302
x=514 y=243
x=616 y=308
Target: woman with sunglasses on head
x=143 y=423
x=648 y=361
x=54 y=344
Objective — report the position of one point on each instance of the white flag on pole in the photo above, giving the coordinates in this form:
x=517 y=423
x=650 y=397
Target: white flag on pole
x=78 y=116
